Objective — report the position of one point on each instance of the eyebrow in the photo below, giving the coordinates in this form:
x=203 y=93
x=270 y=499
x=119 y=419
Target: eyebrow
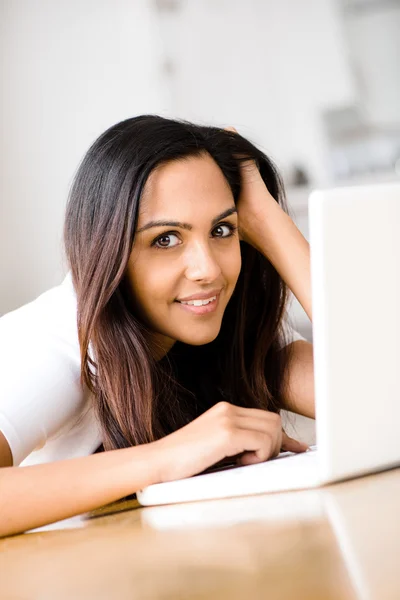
x=187 y=226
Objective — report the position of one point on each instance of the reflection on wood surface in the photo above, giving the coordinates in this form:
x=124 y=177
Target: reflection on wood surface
x=339 y=542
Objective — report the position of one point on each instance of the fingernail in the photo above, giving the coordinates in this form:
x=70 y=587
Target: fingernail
x=304 y=446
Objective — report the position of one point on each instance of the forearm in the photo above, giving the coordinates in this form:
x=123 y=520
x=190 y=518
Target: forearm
x=276 y=236
x=37 y=495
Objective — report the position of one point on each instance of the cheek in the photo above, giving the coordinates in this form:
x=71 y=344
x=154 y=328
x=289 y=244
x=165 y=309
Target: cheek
x=231 y=263
x=152 y=283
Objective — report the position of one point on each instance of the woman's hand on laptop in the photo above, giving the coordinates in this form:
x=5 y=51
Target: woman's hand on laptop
x=250 y=435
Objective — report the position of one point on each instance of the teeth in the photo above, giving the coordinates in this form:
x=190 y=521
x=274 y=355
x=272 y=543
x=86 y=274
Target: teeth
x=200 y=302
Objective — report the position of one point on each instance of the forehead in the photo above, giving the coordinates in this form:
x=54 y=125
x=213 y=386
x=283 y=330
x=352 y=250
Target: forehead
x=190 y=187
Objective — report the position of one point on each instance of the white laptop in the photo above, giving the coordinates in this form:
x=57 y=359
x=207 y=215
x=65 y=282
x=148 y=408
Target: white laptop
x=355 y=273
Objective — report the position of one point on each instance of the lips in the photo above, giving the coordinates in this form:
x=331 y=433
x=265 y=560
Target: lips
x=196 y=307
x=200 y=296
x=200 y=310
x=199 y=302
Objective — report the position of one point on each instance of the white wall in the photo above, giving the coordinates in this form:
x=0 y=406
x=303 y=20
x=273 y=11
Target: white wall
x=373 y=36
x=267 y=67
x=72 y=68
x=69 y=70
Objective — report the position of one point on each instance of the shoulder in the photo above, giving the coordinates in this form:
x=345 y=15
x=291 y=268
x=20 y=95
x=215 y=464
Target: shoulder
x=40 y=386
x=53 y=313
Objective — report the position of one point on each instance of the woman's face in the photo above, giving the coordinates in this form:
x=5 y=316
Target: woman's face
x=185 y=259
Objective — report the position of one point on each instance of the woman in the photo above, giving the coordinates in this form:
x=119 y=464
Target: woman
x=165 y=346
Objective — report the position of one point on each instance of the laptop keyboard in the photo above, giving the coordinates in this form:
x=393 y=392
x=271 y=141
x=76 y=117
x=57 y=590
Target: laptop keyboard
x=295 y=456
x=309 y=452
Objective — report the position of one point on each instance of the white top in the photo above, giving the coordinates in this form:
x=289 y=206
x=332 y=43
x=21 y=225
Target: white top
x=45 y=415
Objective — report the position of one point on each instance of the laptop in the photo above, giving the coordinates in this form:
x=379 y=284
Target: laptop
x=355 y=281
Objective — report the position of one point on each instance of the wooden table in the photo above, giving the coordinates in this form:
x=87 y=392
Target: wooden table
x=339 y=542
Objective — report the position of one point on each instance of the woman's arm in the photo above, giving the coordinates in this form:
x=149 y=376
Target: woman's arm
x=299 y=384
x=40 y=494
x=276 y=236
x=283 y=244
x=266 y=226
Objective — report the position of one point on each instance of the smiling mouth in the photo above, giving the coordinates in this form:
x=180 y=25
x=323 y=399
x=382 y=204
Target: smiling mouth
x=199 y=302
x=200 y=307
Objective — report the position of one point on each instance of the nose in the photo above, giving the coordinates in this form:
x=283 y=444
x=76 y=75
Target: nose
x=201 y=264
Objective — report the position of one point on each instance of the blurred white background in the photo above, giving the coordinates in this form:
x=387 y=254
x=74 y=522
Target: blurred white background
x=315 y=83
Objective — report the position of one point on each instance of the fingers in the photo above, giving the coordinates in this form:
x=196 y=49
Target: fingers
x=291 y=445
x=255 y=424
x=251 y=457
x=250 y=445
x=258 y=413
x=246 y=162
x=255 y=432
x=268 y=424
x=247 y=458
x=258 y=446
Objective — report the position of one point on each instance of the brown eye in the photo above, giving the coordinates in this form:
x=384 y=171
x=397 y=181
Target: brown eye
x=169 y=240
x=223 y=230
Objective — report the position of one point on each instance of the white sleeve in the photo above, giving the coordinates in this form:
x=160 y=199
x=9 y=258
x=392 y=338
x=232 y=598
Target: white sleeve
x=39 y=384
x=290 y=334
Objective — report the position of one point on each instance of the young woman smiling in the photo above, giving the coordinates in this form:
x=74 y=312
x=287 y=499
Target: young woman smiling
x=165 y=350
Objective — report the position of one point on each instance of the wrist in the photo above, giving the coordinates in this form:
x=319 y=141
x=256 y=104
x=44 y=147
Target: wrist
x=133 y=468
x=151 y=458
x=265 y=232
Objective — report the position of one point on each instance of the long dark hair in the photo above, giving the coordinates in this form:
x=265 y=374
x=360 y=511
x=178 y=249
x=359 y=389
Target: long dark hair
x=137 y=399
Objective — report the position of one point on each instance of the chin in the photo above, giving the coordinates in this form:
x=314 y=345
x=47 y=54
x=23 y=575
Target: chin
x=200 y=339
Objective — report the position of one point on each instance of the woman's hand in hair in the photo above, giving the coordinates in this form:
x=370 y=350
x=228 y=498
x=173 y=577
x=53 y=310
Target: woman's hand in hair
x=269 y=229
x=253 y=201
x=250 y=435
